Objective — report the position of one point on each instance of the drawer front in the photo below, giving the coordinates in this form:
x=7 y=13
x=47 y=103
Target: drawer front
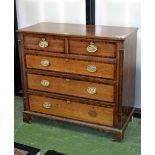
x=73 y=110
x=71 y=87
x=92 y=47
x=45 y=43
x=95 y=69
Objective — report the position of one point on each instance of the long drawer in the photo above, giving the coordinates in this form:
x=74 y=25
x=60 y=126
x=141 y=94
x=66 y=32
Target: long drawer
x=73 y=110
x=71 y=87
x=94 y=69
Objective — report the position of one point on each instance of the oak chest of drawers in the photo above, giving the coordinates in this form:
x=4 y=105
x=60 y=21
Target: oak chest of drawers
x=79 y=74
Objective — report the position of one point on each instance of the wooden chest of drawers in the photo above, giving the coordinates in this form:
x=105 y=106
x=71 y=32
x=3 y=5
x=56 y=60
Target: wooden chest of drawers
x=79 y=74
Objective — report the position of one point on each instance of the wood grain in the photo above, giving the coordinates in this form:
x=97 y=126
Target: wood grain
x=72 y=98
x=80 y=30
x=71 y=87
x=104 y=70
x=71 y=110
x=111 y=107
x=55 y=44
x=129 y=74
x=104 y=48
x=73 y=56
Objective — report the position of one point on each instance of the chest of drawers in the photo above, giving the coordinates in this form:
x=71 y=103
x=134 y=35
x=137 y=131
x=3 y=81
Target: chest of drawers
x=79 y=74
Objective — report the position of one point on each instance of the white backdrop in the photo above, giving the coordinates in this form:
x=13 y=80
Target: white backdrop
x=108 y=12
x=123 y=13
x=33 y=11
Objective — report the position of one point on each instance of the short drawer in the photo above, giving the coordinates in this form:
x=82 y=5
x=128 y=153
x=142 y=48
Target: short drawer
x=73 y=110
x=44 y=43
x=95 y=69
x=71 y=87
x=92 y=47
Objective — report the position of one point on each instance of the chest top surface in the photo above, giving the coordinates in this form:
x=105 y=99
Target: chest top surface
x=81 y=30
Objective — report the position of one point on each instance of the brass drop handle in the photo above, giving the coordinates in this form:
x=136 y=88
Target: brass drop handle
x=43 y=43
x=44 y=62
x=91 y=48
x=91 y=90
x=47 y=105
x=91 y=68
x=45 y=83
x=92 y=113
